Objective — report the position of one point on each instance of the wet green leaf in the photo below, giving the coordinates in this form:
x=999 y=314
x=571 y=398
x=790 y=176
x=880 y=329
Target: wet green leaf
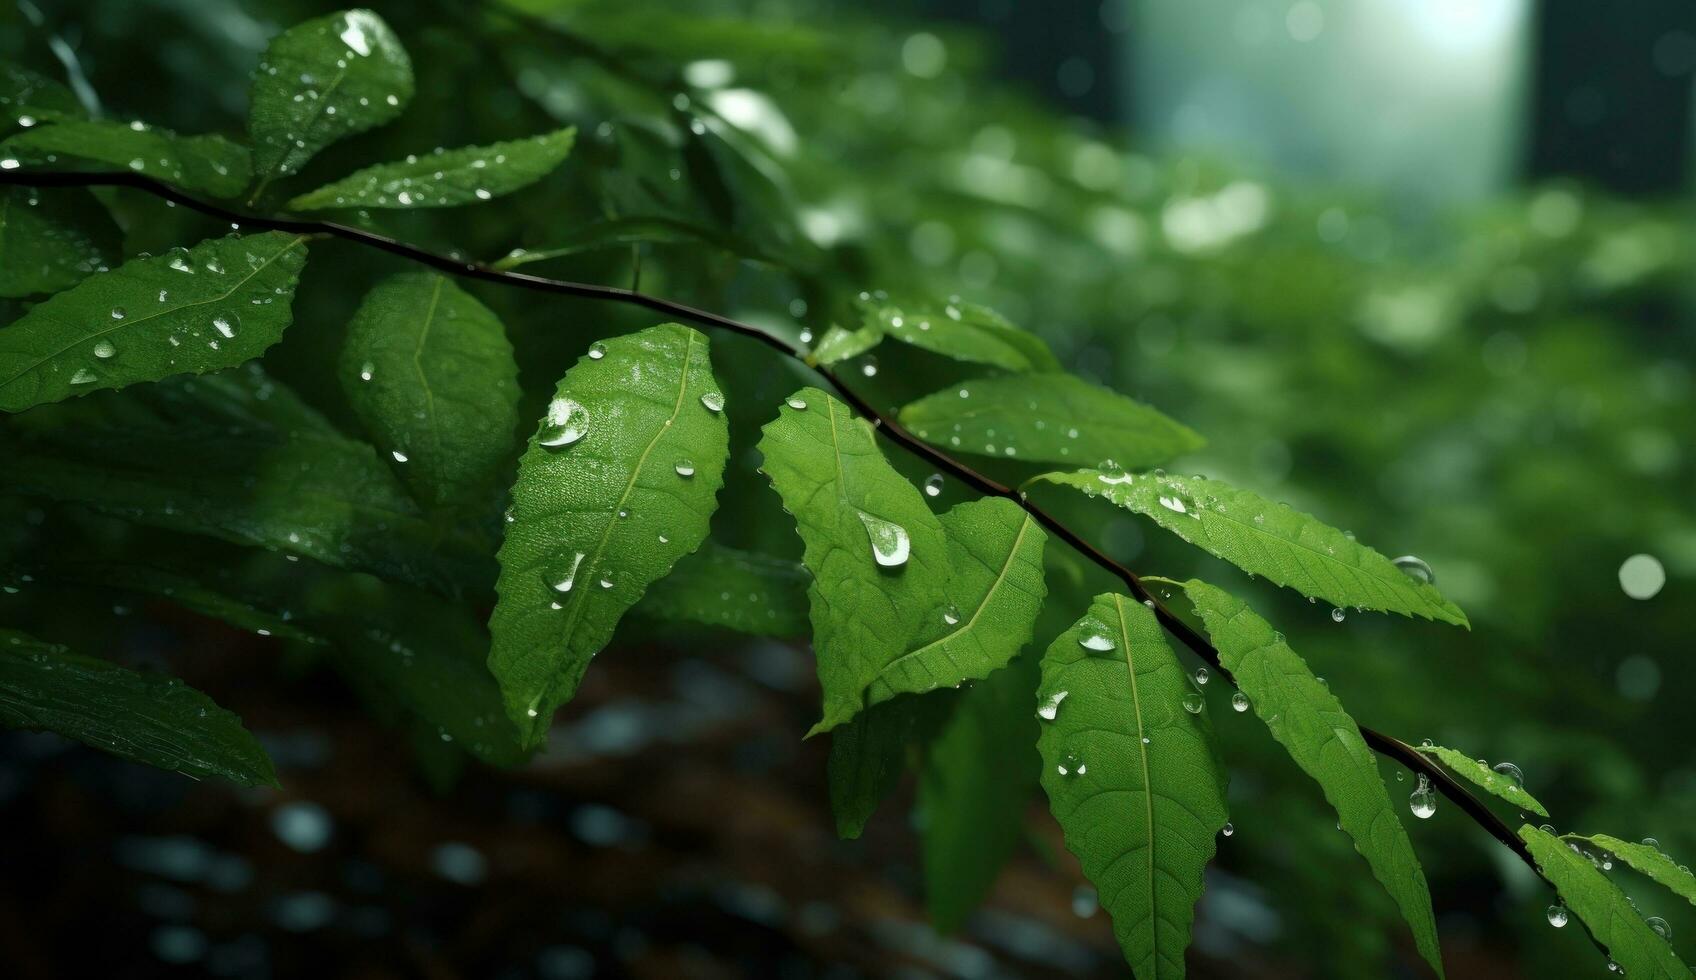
x=617 y=485
x=1310 y=723
x=25 y=94
x=143 y=717
x=446 y=178
x=1272 y=540
x=1605 y=910
x=322 y=81
x=53 y=239
x=431 y=375
x=1134 y=779
x=204 y=309
x=870 y=751
x=740 y=590
x=1047 y=418
x=962 y=331
x=208 y=164
x=1650 y=860
x=1485 y=778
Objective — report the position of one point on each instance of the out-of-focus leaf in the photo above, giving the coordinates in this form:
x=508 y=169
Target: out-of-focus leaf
x=621 y=232
x=148 y=718
x=1485 y=778
x=962 y=331
x=203 y=595
x=1273 y=540
x=1047 y=418
x=878 y=556
x=991 y=597
x=977 y=778
x=869 y=753
x=1310 y=723
x=237 y=456
x=25 y=94
x=322 y=81
x=1134 y=779
x=429 y=372
x=740 y=590
x=1650 y=860
x=210 y=164
x=204 y=309
x=1605 y=910
x=839 y=344
x=50 y=240
x=446 y=178
x=617 y=485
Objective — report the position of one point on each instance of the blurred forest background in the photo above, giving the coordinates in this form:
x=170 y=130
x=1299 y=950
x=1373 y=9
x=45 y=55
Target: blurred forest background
x=1421 y=267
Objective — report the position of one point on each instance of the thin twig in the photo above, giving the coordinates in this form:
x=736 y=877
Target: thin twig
x=1384 y=745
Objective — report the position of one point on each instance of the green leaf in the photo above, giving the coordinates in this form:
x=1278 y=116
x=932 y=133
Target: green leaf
x=978 y=776
x=143 y=717
x=1134 y=780
x=878 y=556
x=50 y=240
x=869 y=753
x=992 y=594
x=1047 y=418
x=214 y=599
x=1310 y=723
x=1285 y=546
x=962 y=331
x=25 y=94
x=322 y=81
x=1650 y=860
x=621 y=232
x=446 y=178
x=1605 y=910
x=1485 y=778
x=205 y=309
x=209 y=164
x=740 y=590
x=617 y=485
x=237 y=456
x=838 y=344
x=429 y=372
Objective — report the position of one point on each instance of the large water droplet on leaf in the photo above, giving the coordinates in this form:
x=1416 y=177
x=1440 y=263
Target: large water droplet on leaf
x=566 y=423
x=890 y=544
x=1050 y=707
x=1416 y=568
x=563 y=578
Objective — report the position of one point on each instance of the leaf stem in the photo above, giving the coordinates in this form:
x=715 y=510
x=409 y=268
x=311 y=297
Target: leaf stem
x=1385 y=745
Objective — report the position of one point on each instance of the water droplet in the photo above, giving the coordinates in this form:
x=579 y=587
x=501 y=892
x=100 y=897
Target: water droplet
x=1174 y=504
x=1096 y=639
x=104 y=348
x=713 y=401
x=118 y=313
x=1194 y=702
x=1112 y=472
x=1337 y=615
x=1070 y=765
x=226 y=325
x=1557 y=916
x=1416 y=568
x=890 y=543
x=1423 y=800
x=597 y=350
x=869 y=366
x=685 y=467
x=951 y=614
x=1202 y=676
x=1511 y=771
x=606 y=581
x=399 y=456
x=1651 y=842
x=1239 y=702
x=1228 y=829
x=933 y=485
x=566 y=422
x=566 y=577
x=1050 y=707
x=84 y=376
x=366 y=370
x=180 y=260
x=798 y=404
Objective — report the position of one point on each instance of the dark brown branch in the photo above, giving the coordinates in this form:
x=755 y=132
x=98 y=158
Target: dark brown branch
x=1384 y=745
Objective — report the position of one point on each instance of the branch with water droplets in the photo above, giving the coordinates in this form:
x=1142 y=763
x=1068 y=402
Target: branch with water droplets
x=1385 y=745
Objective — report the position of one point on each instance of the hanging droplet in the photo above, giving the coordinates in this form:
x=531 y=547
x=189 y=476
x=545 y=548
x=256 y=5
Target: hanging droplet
x=226 y=325
x=951 y=614
x=1511 y=771
x=566 y=422
x=933 y=485
x=1194 y=702
x=890 y=543
x=714 y=401
x=1202 y=676
x=1050 y=707
x=566 y=577
x=1337 y=614
x=1416 y=568
x=1557 y=916
x=104 y=349
x=1423 y=800
x=798 y=404
x=597 y=350
x=1228 y=829
x=1239 y=702
x=685 y=467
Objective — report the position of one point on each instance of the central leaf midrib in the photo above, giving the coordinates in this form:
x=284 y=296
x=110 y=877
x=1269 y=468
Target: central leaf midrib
x=1147 y=775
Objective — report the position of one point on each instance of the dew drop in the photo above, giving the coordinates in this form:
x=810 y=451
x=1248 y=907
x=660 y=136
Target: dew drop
x=798 y=404
x=1228 y=829
x=566 y=422
x=1112 y=473
x=1096 y=640
x=1557 y=916
x=933 y=485
x=597 y=350
x=366 y=370
x=1194 y=702
x=890 y=543
x=685 y=468
x=1337 y=615
x=1416 y=568
x=1202 y=676
x=1239 y=702
x=1651 y=842
x=104 y=349
x=563 y=580
x=399 y=456
x=84 y=376
x=226 y=325
x=1050 y=707
x=1511 y=771
x=118 y=313
x=713 y=400
x=1423 y=800
x=951 y=614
